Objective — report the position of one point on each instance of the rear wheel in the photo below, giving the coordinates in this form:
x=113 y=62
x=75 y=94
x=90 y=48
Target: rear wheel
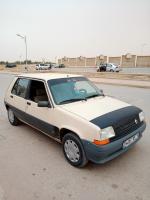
x=12 y=118
x=73 y=150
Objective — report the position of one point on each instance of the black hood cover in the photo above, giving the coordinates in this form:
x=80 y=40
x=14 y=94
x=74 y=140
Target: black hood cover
x=118 y=117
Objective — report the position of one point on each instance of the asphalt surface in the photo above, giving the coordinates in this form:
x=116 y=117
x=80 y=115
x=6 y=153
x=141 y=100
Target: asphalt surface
x=32 y=166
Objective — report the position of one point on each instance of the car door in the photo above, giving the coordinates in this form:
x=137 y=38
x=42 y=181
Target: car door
x=108 y=68
x=18 y=97
x=40 y=117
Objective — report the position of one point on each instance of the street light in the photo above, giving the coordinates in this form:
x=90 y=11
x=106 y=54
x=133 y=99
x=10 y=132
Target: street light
x=25 y=40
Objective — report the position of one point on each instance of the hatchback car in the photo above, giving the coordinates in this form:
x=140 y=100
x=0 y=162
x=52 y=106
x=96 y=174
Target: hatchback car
x=10 y=65
x=43 y=66
x=73 y=111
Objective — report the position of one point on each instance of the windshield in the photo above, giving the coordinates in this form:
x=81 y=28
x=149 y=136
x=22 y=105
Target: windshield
x=71 y=89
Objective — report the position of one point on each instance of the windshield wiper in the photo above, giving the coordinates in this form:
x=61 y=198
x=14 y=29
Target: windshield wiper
x=72 y=100
x=94 y=95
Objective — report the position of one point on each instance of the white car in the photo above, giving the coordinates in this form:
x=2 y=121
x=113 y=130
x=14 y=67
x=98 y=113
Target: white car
x=73 y=111
x=43 y=66
x=108 y=67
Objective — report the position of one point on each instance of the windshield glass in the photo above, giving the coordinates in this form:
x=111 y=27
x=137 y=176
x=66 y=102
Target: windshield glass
x=71 y=89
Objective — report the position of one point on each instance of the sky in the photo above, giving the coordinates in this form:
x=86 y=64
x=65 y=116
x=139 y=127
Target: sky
x=73 y=28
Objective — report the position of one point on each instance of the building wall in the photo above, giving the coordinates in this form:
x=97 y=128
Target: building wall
x=100 y=59
x=124 y=60
x=115 y=60
x=72 y=62
x=81 y=61
x=90 y=61
x=128 y=62
x=143 y=61
x=65 y=62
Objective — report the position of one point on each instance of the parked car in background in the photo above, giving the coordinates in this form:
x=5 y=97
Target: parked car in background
x=58 y=65
x=73 y=111
x=61 y=65
x=54 y=65
x=10 y=65
x=43 y=66
x=108 y=67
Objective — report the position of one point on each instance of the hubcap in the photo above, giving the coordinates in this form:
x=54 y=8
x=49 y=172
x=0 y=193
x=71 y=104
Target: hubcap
x=72 y=151
x=11 y=115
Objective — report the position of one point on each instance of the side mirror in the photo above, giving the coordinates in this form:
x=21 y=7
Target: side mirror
x=101 y=91
x=43 y=104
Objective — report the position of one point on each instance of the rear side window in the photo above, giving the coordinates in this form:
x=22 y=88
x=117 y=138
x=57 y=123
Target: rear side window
x=20 y=87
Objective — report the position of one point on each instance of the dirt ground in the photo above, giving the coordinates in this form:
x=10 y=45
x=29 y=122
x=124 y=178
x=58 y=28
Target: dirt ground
x=107 y=75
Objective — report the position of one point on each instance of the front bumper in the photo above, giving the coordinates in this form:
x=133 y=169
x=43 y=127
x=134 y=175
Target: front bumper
x=102 y=154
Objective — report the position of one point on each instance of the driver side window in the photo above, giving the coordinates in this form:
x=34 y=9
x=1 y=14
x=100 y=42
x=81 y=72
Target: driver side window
x=37 y=91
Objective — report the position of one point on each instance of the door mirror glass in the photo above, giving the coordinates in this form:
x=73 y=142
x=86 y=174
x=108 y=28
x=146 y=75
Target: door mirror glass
x=43 y=104
x=102 y=92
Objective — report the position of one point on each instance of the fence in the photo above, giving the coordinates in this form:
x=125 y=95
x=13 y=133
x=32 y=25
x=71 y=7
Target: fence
x=127 y=60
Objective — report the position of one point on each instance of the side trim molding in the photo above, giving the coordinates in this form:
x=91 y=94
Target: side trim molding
x=40 y=125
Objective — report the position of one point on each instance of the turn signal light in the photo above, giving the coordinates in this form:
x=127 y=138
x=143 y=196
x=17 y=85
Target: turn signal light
x=101 y=142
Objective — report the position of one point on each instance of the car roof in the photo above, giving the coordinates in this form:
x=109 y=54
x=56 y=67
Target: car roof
x=47 y=76
x=112 y=63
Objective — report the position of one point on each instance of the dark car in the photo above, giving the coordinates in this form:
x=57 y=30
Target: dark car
x=61 y=65
x=10 y=65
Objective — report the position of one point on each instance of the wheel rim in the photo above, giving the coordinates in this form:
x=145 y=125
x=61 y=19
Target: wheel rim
x=11 y=115
x=72 y=151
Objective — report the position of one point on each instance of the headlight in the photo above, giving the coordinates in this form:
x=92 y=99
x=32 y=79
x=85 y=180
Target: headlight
x=141 y=116
x=107 y=133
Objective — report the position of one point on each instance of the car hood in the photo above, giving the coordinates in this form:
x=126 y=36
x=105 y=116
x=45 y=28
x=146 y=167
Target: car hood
x=94 y=107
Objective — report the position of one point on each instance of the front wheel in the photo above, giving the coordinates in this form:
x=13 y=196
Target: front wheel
x=12 y=118
x=73 y=150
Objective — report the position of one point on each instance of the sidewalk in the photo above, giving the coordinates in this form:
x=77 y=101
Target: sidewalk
x=129 y=83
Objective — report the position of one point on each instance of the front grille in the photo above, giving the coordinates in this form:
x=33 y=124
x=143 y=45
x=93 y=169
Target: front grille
x=127 y=127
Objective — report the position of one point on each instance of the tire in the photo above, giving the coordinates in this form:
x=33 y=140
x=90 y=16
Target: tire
x=73 y=150
x=12 y=118
x=111 y=70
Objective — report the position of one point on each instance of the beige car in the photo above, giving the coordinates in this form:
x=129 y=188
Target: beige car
x=73 y=111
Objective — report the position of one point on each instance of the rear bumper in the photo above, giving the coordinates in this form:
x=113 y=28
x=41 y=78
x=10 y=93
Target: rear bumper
x=102 y=154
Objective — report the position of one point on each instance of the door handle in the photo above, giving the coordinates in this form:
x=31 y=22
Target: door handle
x=11 y=96
x=28 y=103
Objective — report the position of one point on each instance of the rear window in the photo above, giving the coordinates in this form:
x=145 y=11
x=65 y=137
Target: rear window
x=20 y=87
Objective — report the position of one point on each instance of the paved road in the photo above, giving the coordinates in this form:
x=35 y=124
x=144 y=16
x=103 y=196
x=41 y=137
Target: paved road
x=130 y=70
x=32 y=166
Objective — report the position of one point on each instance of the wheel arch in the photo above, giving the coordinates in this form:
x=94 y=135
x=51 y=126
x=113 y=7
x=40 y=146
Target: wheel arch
x=64 y=131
